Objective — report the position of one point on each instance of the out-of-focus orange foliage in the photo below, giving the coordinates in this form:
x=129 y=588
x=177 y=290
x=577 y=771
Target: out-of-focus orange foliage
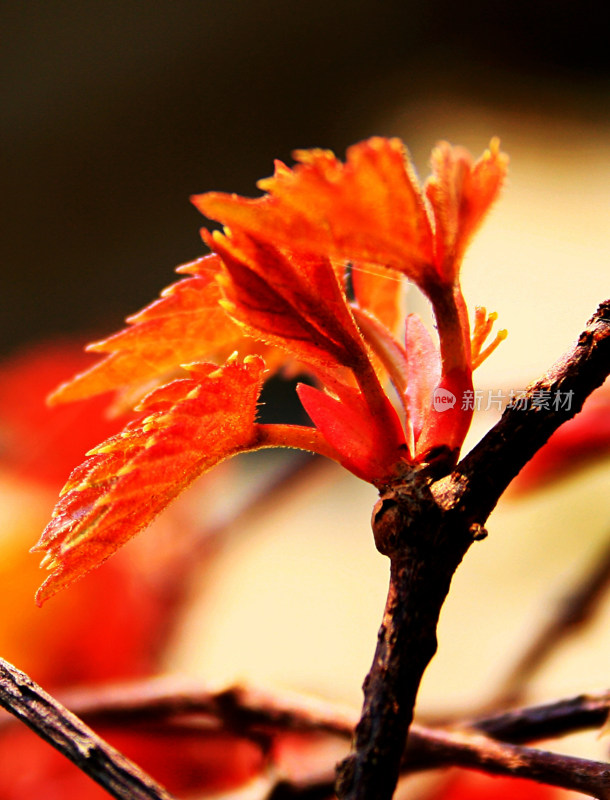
x=110 y=627
x=39 y=443
x=76 y=640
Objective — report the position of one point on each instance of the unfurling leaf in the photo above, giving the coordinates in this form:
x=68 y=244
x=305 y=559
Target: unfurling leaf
x=371 y=209
x=460 y=194
x=365 y=444
x=187 y=427
x=291 y=300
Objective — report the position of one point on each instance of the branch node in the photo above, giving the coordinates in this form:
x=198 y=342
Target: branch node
x=478 y=532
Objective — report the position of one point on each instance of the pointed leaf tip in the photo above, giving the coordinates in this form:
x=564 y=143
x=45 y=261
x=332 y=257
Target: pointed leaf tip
x=185 y=324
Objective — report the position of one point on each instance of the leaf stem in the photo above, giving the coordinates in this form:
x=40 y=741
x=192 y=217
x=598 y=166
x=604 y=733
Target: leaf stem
x=299 y=437
x=389 y=351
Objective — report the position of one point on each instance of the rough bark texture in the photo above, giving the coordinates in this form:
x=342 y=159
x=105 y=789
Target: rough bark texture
x=424 y=553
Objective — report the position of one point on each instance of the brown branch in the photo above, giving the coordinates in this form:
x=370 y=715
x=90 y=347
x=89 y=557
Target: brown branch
x=59 y=727
x=250 y=712
x=466 y=749
x=430 y=749
x=424 y=553
x=316 y=787
x=471 y=751
x=244 y=710
x=486 y=755
x=426 y=529
x=572 y=611
x=547 y=721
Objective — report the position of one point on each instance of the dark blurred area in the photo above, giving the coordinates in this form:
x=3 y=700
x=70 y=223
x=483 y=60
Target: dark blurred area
x=113 y=113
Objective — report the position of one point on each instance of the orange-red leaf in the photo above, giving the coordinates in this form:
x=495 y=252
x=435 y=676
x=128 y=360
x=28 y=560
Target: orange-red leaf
x=369 y=209
x=188 y=427
x=184 y=325
x=460 y=194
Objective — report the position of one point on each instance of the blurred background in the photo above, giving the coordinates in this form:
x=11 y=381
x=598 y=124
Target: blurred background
x=114 y=113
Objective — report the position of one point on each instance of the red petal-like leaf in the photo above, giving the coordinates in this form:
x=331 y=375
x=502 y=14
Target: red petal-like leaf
x=188 y=427
x=434 y=399
x=423 y=372
x=449 y=418
x=369 y=450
